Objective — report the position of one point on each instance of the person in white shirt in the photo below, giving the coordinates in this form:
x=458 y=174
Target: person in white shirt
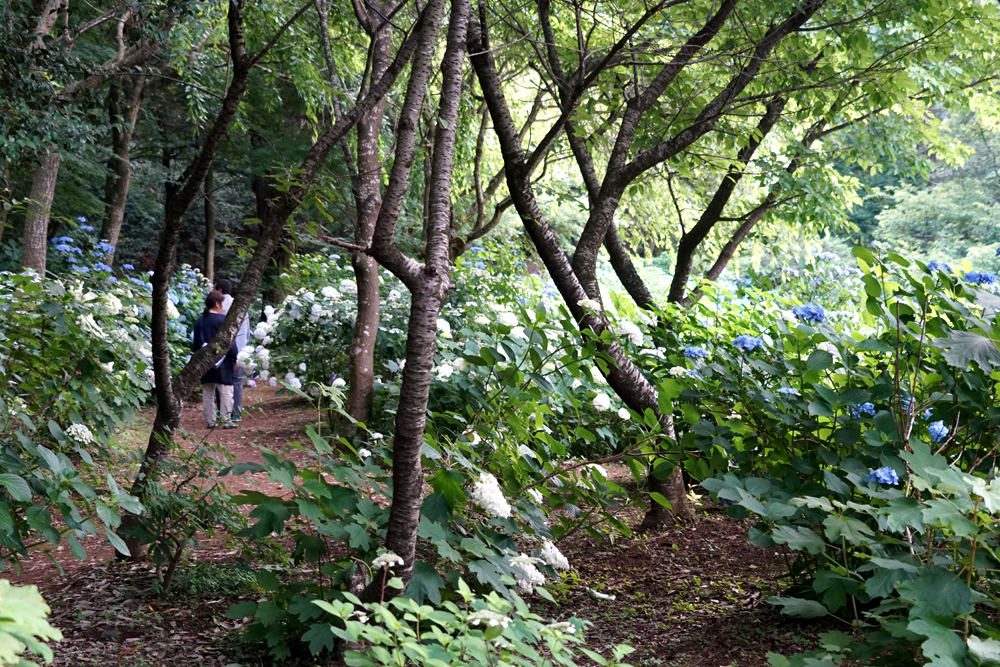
x=242 y=339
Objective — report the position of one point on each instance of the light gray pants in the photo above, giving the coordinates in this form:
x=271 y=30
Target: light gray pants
x=225 y=401
x=239 y=375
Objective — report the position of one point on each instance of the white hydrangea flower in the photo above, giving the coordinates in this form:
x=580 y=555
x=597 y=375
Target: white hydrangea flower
x=315 y=312
x=602 y=402
x=443 y=326
x=488 y=618
x=348 y=286
x=487 y=494
x=535 y=495
x=295 y=312
x=261 y=331
x=529 y=575
x=394 y=295
x=111 y=304
x=80 y=433
x=302 y=367
x=881 y=246
x=788 y=316
x=597 y=467
x=149 y=376
x=678 y=371
x=830 y=347
x=518 y=332
x=265 y=375
x=387 y=559
x=507 y=318
x=589 y=305
x=445 y=371
x=273 y=382
x=630 y=331
x=108 y=367
x=340 y=382
x=483 y=321
x=309 y=297
x=460 y=364
x=623 y=413
x=172 y=312
x=552 y=556
x=375 y=436
x=330 y=292
x=363 y=453
x=562 y=626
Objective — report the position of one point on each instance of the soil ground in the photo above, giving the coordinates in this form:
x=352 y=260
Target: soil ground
x=685 y=595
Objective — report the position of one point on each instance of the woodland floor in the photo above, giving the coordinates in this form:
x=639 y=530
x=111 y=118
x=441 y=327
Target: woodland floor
x=686 y=595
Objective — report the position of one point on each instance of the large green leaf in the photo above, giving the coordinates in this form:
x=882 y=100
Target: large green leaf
x=16 y=487
x=984 y=652
x=425 y=583
x=962 y=347
x=937 y=593
x=799 y=538
x=799 y=607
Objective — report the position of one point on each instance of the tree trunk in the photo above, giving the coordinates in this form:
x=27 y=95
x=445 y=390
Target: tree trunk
x=367 y=186
x=209 y=269
x=116 y=185
x=36 y=222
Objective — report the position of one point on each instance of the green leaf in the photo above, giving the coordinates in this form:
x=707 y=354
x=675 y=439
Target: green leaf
x=242 y=609
x=938 y=594
x=449 y=484
x=819 y=360
x=16 y=487
x=319 y=636
x=851 y=529
x=799 y=607
x=268 y=613
x=984 y=652
x=799 y=538
x=942 y=646
x=659 y=498
x=425 y=583
x=962 y=347
x=117 y=542
x=268 y=580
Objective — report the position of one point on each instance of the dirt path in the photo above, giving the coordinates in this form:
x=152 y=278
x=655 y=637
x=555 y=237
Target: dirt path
x=270 y=421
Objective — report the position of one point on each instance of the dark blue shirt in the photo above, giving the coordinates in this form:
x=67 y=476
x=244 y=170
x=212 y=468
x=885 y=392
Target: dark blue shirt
x=204 y=329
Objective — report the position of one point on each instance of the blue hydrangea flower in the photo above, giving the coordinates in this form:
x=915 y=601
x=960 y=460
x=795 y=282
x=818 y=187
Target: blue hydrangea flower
x=884 y=475
x=62 y=239
x=477 y=248
x=927 y=413
x=105 y=247
x=809 y=313
x=81 y=219
x=480 y=265
x=789 y=391
x=980 y=278
x=862 y=409
x=938 y=266
x=695 y=352
x=128 y=267
x=81 y=269
x=64 y=247
x=828 y=256
x=71 y=260
x=938 y=431
x=744 y=282
x=86 y=228
x=998 y=252
x=112 y=279
x=101 y=266
x=748 y=343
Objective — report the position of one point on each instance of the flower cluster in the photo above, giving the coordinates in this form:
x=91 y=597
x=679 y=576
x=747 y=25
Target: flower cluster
x=981 y=278
x=80 y=433
x=748 y=343
x=938 y=266
x=938 y=431
x=809 y=313
x=386 y=560
x=487 y=494
x=695 y=352
x=630 y=331
x=862 y=409
x=552 y=556
x=528 y=576
x=488 y=618
x=884 y=475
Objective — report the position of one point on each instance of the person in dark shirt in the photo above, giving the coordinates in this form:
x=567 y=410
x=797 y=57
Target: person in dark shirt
x=221 y=376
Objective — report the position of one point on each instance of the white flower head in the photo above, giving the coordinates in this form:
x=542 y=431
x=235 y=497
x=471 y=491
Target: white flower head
x=535 y=495
x=445 y=371
x=394 y=295
x=172 y=312
x=443 y=326
x=348 y=286
x=460 y=364
x=330 y=292
x=340 y=382
x=487 y=494
x=375 y=436
x=602 y=402
x=623 y=413
x=596 y=467
x=562 y=626
x=273 y=381
x=387 y=559
x=678 y=371
x=630 y=331
x=309 y=297
x=506 y=318
x=363 y=453
x=80 y=433
x=589 y=305
x=108 y=367
x=788 y=316
x=552 y=556
x=528 y=576
x=487 y=618
x=302 y=367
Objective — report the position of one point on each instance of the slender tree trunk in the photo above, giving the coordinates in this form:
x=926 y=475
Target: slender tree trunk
x=116 y=186
x=368 y=202
x=5 y=195
x=36 y=222
x=209 y=269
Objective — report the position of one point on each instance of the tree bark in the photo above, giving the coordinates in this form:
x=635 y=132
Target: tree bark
x=209 y=269
x=116 y=185
x=367 y=187
x=428 y=284
x=36 y=222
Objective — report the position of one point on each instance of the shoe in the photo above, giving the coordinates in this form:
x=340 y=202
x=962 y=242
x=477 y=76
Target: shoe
x=229 y=425
x=236 y=419
x=211 y=425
